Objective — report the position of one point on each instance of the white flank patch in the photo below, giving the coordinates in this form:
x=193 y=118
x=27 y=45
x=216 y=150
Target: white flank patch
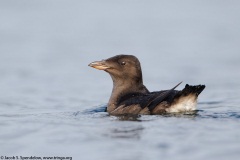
x=184 y=104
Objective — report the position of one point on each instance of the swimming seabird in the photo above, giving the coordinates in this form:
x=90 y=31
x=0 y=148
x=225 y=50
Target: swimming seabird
x=130 y=96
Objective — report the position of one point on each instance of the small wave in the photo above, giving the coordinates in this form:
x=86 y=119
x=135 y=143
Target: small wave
x=101 y=108
x=211 y=102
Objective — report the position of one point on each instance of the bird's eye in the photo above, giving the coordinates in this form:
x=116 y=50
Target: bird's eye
x=123 y=63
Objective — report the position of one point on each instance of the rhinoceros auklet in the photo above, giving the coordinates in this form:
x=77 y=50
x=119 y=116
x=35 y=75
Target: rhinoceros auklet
x=130 y=96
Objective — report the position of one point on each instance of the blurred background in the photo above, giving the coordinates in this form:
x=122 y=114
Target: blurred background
x=46 y=46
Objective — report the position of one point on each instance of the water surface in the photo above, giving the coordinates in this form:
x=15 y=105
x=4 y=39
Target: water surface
x=52 y=103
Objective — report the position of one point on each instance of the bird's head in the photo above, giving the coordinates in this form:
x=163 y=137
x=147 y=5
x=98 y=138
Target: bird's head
x=121 y=68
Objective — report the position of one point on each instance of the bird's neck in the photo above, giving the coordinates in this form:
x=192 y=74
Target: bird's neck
x=122 y=87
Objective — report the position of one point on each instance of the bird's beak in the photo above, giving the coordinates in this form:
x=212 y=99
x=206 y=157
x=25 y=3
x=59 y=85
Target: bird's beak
x=101 y=65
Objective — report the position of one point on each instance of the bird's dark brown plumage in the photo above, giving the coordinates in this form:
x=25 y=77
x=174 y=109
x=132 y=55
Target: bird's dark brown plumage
x=130 y=96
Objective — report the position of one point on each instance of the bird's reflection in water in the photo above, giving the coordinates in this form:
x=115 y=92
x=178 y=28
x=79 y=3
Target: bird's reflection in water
x=132 y=124
x=126 y=129
x=139 y=118
x=190 y=114
x=129 y=117
x=131 y=132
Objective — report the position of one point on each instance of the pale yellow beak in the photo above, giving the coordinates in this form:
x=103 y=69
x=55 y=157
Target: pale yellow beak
x=101 y=65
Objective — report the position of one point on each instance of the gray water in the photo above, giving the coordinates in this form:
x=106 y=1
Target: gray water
x=52 y=103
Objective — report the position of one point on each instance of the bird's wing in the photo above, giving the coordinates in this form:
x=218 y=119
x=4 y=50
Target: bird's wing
x=137 y=102
x=161 y=97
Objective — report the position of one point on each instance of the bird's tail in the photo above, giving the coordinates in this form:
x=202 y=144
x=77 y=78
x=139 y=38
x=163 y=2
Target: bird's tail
x=196 y=90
